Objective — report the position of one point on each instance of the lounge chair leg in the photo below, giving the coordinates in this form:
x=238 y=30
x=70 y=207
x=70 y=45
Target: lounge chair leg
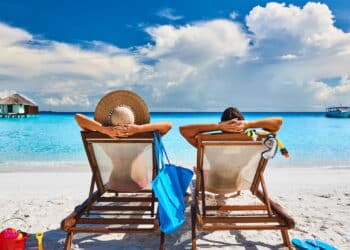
x=162 y=240
x=193 y=222
x=286 y=239
x=68 y=243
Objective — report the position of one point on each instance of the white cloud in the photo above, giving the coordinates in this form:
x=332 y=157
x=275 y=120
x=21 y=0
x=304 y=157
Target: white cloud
x=168 y=13
x=10 y=35
x=183 y=54
x=233 y=15
x=55 y=57
x=29 y=64
x=312 y=24
x=331 y=95
x=6 y=93
x=279 y=64
x=217 y=64
x=197 y=43
x=82 y=101
x=288 y=57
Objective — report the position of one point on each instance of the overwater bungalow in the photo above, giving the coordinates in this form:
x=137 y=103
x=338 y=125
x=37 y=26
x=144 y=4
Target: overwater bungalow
x=16 y=106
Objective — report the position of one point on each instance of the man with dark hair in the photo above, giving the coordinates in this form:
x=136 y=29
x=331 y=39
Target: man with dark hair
x=232 y=121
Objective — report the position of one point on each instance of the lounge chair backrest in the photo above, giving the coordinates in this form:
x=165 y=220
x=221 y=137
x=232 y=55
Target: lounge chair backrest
x=230 y=162
x=122 y=165
x=121 y=170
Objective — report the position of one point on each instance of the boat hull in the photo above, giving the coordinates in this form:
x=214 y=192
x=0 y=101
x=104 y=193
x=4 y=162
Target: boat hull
x=338 y=114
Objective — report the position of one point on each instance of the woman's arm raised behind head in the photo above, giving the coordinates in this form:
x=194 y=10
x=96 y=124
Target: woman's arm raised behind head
x=87 y=123
x=161 y=127
x=122 y=130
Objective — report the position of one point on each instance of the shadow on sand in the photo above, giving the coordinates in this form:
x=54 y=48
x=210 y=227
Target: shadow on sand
x=181 y=239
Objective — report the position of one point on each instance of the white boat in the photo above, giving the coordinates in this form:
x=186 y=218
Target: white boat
x=342 y=112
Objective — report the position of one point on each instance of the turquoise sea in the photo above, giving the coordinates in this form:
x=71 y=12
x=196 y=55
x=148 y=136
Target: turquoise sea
x=311 y=138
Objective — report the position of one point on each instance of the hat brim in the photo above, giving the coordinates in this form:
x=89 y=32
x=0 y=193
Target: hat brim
x=120 y=98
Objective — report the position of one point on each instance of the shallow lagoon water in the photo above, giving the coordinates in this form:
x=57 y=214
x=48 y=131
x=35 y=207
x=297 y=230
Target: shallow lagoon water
x=311 y=138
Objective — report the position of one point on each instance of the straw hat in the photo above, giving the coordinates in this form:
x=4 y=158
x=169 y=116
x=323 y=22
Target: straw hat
x=121 y=107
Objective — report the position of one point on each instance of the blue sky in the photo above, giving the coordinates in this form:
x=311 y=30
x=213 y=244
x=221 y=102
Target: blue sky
x=178 y=55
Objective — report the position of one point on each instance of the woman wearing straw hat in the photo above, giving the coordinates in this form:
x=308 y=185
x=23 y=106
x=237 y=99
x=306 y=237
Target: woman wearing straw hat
x=120 y=114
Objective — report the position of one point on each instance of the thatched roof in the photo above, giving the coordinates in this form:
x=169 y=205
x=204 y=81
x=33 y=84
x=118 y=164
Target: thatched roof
x=17 y=99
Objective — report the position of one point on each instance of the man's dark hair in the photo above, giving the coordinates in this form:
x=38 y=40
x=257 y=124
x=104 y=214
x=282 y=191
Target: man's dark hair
x=231 y=113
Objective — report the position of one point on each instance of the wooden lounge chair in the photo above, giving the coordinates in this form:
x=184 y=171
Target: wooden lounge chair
x=226 y=165
x=123 y=201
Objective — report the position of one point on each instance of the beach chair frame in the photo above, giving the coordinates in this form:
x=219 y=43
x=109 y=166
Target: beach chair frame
x=88 y=217
x=273 y=218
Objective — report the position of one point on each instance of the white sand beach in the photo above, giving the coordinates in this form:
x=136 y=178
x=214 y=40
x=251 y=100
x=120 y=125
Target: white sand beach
x=318 y=199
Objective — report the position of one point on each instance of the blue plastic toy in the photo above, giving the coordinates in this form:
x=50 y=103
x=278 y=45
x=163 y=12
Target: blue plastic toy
x=312 y=244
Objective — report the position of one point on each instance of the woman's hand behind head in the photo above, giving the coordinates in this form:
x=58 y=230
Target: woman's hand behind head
x=115 y=131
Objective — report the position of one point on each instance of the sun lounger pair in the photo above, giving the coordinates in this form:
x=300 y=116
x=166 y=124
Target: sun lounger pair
x=121 y=199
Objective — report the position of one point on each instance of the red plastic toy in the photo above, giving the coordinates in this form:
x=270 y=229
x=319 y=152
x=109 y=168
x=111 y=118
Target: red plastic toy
x=11 y=239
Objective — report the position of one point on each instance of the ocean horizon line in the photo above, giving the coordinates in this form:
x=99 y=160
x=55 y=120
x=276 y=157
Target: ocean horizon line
x=189 y=112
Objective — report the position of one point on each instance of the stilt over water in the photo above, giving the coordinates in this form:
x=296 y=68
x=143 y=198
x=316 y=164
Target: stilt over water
x=13 y=115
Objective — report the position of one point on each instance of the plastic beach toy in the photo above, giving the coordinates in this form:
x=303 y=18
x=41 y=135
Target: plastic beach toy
x=302 y=245
x=312 y=244
x=39 y=237
x=11 y=239
x=320 y=244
